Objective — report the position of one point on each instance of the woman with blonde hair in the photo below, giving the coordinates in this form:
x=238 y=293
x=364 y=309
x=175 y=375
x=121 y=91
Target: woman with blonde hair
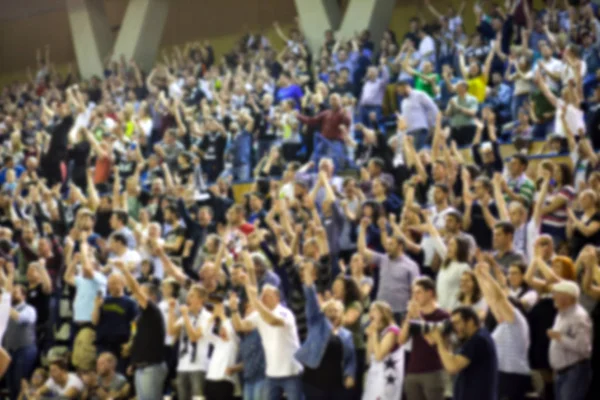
x=386 y=370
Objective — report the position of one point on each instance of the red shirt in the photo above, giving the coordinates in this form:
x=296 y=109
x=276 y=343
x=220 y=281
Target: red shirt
x=329 y=122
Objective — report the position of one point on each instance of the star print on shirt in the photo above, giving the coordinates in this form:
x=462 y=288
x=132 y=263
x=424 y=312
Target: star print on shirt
x=390 y=363
x=390 y=379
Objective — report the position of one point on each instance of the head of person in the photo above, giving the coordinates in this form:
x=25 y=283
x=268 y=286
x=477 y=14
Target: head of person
x=375 y=166
x=205 y=215
x=346 y=290
x=403 y=87
x=58 y=370
x=106 y=364
x=483 y=188
x=326 y=165
x=588 y=199
x=565 y=295
x=118 y=219
x=516 y=275
x=236 y=215
x=503 y=236
x=381 y=315
x=33 y=273
x=171 y=214
x=423 y=292
x=311 y=248
x=440 y=194
x=372 y=73
x=564 y=267
x=465 y=322
x=518 y=165
x=563 y=174
x=462 y=87
x=196 y=297
x=116 y=285
x=39 y=377
x=453 y=222
x=334 y=311
x=170 y=136
x=517 y=213
x=261 y=264
x=357 y=264
x=458 y=250
x=270 y=296
x=19 y=294
x=170 y=288
x=285 y=79
x=151 y=291
x=544 y=246
x=118 y=243
x=439 y=171
x=394 y=246
x=29 y=233
x=469 y=287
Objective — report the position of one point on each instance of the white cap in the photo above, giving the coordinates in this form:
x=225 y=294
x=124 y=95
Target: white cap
x=486 y=146
x=567 y=287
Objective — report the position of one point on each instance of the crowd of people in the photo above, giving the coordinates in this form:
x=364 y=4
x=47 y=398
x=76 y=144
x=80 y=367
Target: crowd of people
x=387 y=249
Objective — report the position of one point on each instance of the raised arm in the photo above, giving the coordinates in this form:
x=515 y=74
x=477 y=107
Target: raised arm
x=132 y=283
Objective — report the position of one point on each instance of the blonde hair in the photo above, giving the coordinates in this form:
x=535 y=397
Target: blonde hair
x=387 y=315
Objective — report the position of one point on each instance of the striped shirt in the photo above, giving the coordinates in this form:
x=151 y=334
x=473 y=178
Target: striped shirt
x=575 y=344
x=523 y=186
x=512 y=345
x=558 y=218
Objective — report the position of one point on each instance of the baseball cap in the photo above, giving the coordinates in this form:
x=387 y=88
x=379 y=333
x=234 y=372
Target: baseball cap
x=566 y=287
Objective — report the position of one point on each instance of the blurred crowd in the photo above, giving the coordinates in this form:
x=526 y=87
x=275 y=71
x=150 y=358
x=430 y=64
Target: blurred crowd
x=412 y=219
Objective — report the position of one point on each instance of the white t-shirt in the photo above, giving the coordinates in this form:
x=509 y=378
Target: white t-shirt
x=574 y=119
x=279 y=342
x=438 y=218
x=131 y=258
x=427 y=49
x=5 y=304
x=186 y=364
x=224 y=354
x=163 y=306
x=568 y=73
x=73 y=381
x=555 y=67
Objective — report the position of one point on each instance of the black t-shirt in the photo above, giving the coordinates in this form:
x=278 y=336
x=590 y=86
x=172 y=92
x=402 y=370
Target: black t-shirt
x=213 y=146
x=479 y=229
x=149 y=341
x=171 y=237
x=41 y=302
x=329 y=374
x=479 y=380
x=579 y=241
x=57 y=149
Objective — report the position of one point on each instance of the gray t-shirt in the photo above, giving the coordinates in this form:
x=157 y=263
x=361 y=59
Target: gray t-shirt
x=395 y=279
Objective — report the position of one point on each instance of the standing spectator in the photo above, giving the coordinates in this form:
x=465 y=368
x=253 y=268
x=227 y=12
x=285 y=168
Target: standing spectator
x=147 y=350
x=462 y=110
x=424 y=371
x=394 y=287
x=570 y=343
x=373 y=91
x=419 y=112
x=20 y=341
x=475 y=363
x=505 y=254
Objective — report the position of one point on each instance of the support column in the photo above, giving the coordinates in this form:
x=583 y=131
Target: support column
x=374 y=15
x=92 y=38
x=141 y=31
x=316 y=16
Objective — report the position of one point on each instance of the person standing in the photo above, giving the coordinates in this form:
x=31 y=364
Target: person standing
x=277 y=327
x=424 y=371
x=148 y=349
x=570 y=343
x=20 y=341
x=475 y=364
x=419 y=111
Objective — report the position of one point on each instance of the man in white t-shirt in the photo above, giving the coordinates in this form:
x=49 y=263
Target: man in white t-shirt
x=277 y=328
x=120 y=252
x=194 y=342
x=62 y=383
x=550 y=67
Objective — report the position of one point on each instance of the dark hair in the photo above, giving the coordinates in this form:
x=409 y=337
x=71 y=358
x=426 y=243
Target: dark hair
x=486 y=183
x=60 y=363
x=153 y=289
x=522 y=267
x=119 y=237
x=567 y=174
x=507 y=227
x=351 y=290
x=443 y=187
x=455 y=214
x=427 y=284
x=467 y=313
x=377 y=161
x=172 y=208
x=121 y=216
x=476 y=296
x=521 y=158
x=462 y=251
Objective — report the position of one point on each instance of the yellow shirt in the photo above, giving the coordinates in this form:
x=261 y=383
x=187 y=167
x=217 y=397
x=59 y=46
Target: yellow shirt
x=477 y=87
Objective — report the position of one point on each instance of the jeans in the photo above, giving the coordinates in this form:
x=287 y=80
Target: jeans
x=573 y=383
x=190 y=384
x=241 y=173
x=149 y=381
x=254 y=390
x=291 y=386
x=21 y=367
x=516 y=104
x=420 y=137
x=364 y=115
x=333 y=149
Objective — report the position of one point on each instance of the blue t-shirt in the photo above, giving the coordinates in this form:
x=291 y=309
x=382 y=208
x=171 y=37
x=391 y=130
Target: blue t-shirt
x=86 y=291
x=479 y=381
x=290 y=92
x=116 y=316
